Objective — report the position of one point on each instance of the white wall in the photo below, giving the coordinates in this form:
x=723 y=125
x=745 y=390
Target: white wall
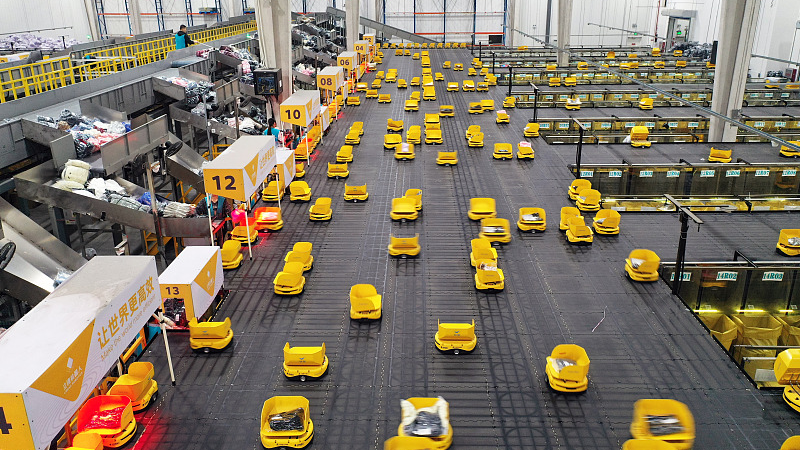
x=24 y=16
x=776 y=35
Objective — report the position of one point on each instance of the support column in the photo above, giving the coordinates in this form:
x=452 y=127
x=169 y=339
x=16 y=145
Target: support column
x=234 y=8
x=282 y=27
x=136 y=17
x=564 y=30
x=737 y=30
x=548 y=21
x=511 y=23
x=91 y=18
x=275 y=41
x=352 y=14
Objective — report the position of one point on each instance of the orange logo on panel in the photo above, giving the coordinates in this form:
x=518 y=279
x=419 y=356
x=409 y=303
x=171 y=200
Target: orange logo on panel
x=205 y=279
x=252 y=170
x=64 y=377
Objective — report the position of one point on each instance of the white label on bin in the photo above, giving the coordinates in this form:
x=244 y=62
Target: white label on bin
x=645 y=173
x=702 y=95
x=544 y=126
x=548 y=97
x=759 y=124
x=727 y=276
x=672 y=124
x=634 y=96
x=785 y=95
x=733 y=173
x=768 y=95
x=694 y=124
x=755 y=95
x=673 y=173
x=686 y=96
x=618 y=96
x=563 y=126
x=789 y=172
x=587 y=173
x=605 y=126
x=630 y=124
x=563 y=97
x=615 y=174
x=772 y=276
x=707 y=173
x=780 y=124
x=650 y=124
x=686 y=276
x=762 y=172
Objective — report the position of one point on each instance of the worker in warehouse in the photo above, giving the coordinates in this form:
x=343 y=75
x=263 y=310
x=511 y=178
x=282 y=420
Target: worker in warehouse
x=182 y=38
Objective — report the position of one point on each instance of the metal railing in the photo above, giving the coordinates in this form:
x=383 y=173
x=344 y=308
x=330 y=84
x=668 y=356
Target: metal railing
x=707 y=179
x=31 y=79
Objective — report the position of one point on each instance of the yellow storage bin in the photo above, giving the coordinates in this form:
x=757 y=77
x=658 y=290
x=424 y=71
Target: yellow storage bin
x=790 y=331
x=722 y=328
x=671 y=415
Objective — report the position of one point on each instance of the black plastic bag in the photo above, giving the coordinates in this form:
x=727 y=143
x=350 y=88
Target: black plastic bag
x=288 y=421
x=425 y=424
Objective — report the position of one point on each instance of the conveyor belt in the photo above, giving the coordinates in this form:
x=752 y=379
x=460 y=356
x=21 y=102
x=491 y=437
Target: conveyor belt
x=648 y=344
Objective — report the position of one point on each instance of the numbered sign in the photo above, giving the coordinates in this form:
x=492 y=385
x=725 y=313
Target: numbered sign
x=762 y=172
x=362 y=47
x=65 y=346
x=673 y=173
x=347 y=60
x=707 y=173
x=14 y=428
x=328 y=82
x=685 y=276
x=615 y=174
x=646 y=173
x=727 y=276
x=587 y=173
x=194 y=277
x=733 y=173
x=295 y=114
x=301 y=108
x=772 y=276
x=239 y=171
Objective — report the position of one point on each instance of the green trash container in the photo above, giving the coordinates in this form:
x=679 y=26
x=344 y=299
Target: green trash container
x=790 y=334
x=722 y=328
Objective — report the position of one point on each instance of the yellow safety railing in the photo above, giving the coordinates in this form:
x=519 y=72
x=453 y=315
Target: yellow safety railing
x=157 y=49
x=30 y=79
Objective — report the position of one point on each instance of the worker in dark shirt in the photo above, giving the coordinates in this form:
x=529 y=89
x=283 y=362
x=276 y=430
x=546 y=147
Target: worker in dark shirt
x=182 y=38
x=219 y=207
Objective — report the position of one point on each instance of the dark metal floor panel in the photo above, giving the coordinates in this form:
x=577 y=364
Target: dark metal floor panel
x=648 y=345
